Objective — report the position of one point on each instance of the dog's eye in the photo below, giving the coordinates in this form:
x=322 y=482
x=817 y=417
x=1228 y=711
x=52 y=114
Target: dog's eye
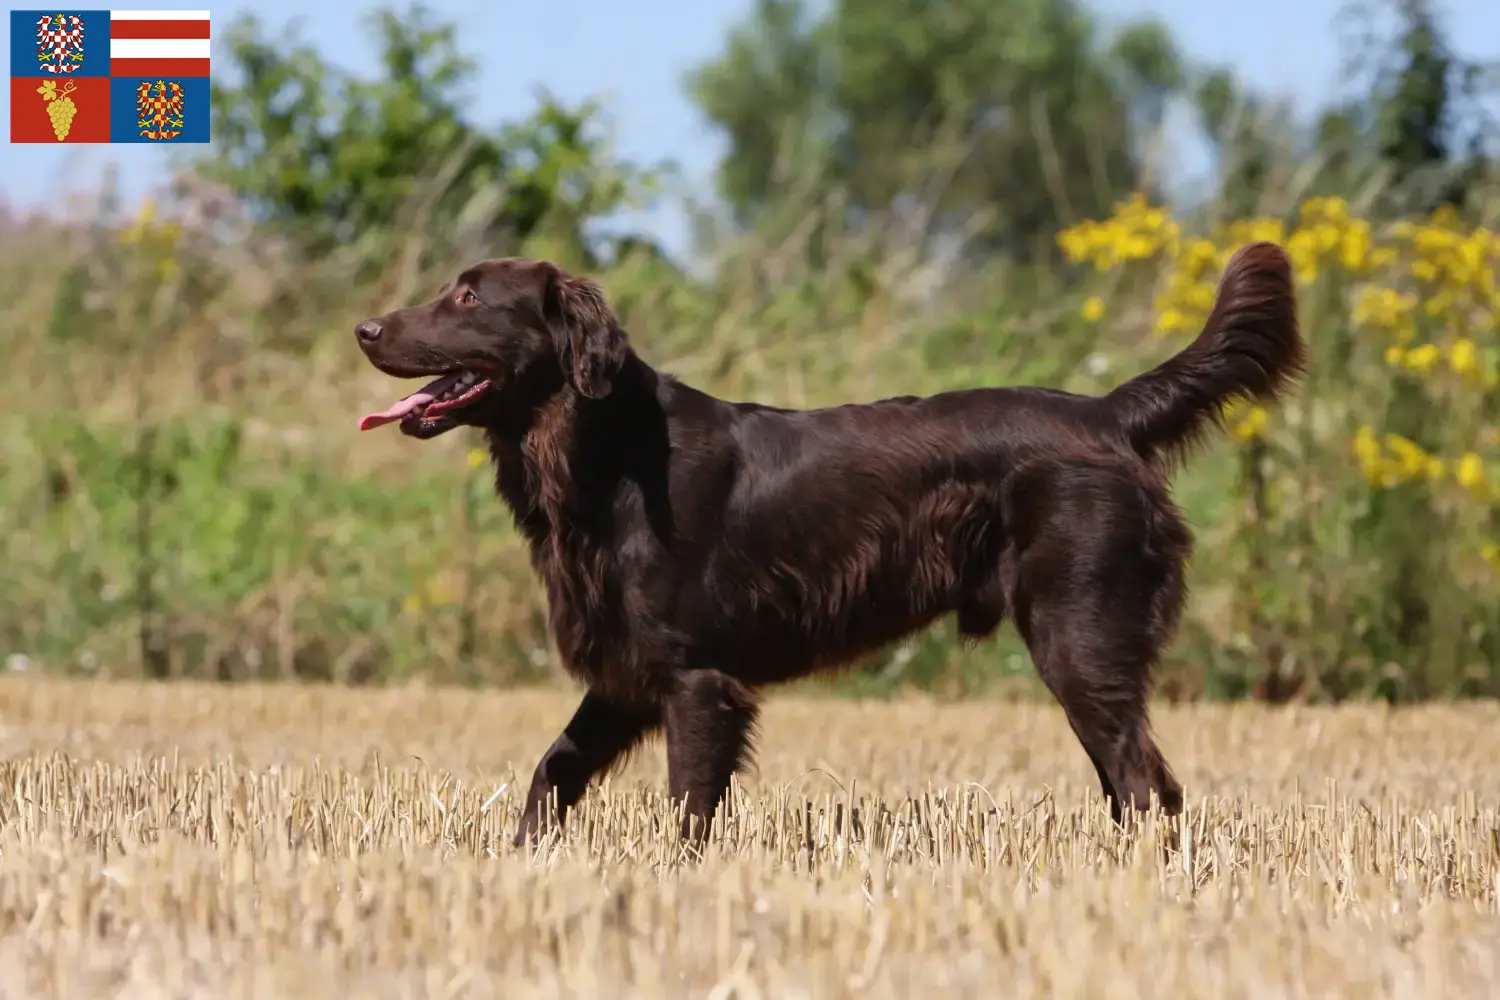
x=466 y=297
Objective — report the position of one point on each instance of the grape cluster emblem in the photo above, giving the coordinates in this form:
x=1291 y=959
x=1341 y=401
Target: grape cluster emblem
x=59 y=42
x=60 y=107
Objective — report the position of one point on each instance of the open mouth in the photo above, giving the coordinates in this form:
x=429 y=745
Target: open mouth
x=428 y=408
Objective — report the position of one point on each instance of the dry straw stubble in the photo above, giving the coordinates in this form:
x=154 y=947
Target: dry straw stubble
x=303 y=842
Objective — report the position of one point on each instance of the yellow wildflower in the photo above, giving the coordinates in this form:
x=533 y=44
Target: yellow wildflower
x=1421 y=359
x=1462 y=356
x=438 y=592
x=1470 y=471
x=1367 y=453
x=1354 y=247
x=141 y=224
x=1253 y=424
x=1170 y=321
x=1410 y=460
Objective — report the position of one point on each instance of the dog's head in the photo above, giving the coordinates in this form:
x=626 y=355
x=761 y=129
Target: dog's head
x=503 y=329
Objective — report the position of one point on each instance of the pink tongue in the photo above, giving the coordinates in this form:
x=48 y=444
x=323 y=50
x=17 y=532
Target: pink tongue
x=431 y=391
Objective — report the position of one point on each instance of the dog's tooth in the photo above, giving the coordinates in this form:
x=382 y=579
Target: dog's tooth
x=468 y=378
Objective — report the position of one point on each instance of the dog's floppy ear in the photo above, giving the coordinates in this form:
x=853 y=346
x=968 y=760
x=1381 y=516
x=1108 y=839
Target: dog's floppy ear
x=589 y=342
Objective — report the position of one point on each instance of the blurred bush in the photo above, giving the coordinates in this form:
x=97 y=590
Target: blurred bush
x=914 y=197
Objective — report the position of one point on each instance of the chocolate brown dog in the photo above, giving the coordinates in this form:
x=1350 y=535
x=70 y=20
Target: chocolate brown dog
x=694 y=549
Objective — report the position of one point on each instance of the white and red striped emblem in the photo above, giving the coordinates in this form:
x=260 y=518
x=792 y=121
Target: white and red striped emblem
x=158 y=43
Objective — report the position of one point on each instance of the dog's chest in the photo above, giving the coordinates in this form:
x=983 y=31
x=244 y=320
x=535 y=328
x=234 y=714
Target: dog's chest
x=584 y=611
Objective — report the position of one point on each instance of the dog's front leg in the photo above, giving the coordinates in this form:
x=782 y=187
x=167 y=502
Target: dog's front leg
x=600 y=733
x=710 y=722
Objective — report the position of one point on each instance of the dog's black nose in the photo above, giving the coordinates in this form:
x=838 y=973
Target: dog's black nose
x=369 y=331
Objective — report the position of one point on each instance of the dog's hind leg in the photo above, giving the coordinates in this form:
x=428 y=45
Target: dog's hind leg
x=600 y=733
x=1096 y=594
x=710 y=726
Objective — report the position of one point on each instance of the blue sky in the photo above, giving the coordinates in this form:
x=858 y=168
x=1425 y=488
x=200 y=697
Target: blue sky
x=634 y=55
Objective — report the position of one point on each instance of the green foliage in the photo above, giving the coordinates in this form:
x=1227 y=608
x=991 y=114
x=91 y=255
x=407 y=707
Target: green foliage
x=1414 y=132
x=178 y=541
x=334 y=158
x=768 y=91
x=1002 y=120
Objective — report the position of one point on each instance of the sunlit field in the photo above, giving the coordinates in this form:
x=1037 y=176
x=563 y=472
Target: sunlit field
x=200 y=841
x=273 y=688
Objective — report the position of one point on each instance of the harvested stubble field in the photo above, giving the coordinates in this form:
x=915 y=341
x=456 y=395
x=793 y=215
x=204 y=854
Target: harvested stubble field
x=197 y=841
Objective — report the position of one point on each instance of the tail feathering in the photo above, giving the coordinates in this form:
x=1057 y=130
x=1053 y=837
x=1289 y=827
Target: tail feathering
x=1250 y=348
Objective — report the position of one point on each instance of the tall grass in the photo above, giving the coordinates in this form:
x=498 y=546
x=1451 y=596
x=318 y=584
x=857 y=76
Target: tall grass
x=185 y=493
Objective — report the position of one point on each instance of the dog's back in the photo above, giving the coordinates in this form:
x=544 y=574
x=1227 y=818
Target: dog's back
x=820 y=535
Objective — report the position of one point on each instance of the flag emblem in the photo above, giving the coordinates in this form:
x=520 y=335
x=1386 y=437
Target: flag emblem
x=60 y=107
x=110 y=76
x=159 y=108
x=59 y=43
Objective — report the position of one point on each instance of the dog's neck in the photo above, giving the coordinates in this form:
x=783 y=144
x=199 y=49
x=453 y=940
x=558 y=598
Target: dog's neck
x=548 y=453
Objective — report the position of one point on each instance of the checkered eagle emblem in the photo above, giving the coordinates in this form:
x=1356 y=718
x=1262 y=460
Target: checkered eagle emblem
x=159 y=109
x=59 y=42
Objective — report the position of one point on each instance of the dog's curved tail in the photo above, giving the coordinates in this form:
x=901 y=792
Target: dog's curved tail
x=1250 y=348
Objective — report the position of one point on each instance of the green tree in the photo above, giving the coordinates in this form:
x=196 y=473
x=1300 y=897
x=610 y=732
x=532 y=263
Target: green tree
x=1150 y=69
x=335 y=159
x=1009 y=117
x=770 y=91
x=1415 y=125
x=1255 y=142
x=1430 y=122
